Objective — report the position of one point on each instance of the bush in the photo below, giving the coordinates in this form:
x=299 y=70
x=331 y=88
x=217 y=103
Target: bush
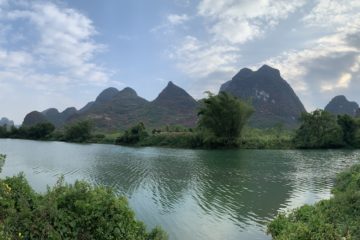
x=133 y=135
x=180 y=140
x=67 y=211
x=318 y=129
x=78 y=132
x=40 y=131
x=337 y=218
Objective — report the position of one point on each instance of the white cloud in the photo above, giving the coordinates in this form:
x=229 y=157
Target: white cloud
x=241 y=21
x=65 y=39
x=175 y=19
x=172 y=21
x=49 y=48
x=199 y=59
x=65 y=44
x=229 y=24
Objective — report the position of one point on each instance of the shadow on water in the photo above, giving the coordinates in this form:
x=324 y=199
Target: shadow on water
x=245 y=186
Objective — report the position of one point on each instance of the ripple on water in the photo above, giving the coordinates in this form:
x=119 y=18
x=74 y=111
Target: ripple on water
x=192 y=194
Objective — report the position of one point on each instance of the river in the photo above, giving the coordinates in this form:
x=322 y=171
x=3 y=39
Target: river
x=191 y=194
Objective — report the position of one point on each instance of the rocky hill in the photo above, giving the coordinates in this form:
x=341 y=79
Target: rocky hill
x=34 y=118
x=272 y=97
x=118 y=110
x=5 y=121
x=340 y=105
x=51 y=115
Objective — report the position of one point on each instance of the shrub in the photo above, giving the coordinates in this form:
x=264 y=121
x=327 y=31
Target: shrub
x=318 y=129
x=78 y=132
x=133 y=135
x=67 y=211
x=336 y=218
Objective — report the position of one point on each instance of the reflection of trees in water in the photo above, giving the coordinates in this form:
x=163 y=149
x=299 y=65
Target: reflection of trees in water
x=245 y=185
x=240 y=185
x=163 y=178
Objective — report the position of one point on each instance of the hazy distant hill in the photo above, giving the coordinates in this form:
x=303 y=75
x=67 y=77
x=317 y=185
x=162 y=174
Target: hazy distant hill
x=34 y=118
x=340 y=105
x=272 y=97
x=114 y=109
x=5 y=121
x=51 y=115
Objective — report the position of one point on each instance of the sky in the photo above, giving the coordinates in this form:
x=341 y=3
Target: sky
x=62 y=53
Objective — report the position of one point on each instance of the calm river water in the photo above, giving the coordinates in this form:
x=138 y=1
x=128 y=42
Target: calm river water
x=191 y=194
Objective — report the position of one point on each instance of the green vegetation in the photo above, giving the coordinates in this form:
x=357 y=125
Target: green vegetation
x=321 y=129
x=78 y=132
x=222 y=124
x=318 y=129
x=133 y=135
x=336 y=218
x=41 y=131
x=223 y=117
x=65 y=211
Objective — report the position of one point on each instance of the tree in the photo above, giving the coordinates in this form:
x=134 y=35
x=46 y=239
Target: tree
x=349 y=128
x=78 y=132
x=318 y=129
x=133 y=135
x=40 y=131
x=224 y=116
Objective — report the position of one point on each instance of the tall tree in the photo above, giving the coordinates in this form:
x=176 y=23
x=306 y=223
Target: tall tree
x=319 y=129
x=349 y=128
x=78 y=132
x=224 y=116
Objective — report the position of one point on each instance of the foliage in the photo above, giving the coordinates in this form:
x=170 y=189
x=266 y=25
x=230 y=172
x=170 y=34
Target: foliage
x=174 y=139
x=318 y=129
x=78 y=132
x=224 y=117
x=349 y=128
x=77 y=211
x=271 y=138
x=337 y=218
x=40 y=131
x=133 y=135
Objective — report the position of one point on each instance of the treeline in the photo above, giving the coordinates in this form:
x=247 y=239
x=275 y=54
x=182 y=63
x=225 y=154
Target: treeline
x=76 y=132
x=336 y=218
x=222 y=123
x=321 y=129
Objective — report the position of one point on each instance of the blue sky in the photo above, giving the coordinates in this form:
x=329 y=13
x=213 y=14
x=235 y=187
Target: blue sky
x=63 y=53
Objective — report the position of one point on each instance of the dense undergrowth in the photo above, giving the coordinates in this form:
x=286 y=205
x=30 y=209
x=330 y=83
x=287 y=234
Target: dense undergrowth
x=335 y=219
x=67 y=211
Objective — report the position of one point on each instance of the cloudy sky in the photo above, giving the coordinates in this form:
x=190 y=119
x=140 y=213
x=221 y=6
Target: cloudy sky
x=64 y=52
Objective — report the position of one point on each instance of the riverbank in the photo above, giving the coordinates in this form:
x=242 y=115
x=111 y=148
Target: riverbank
x=232 y=193
x=190 y=140
x=67 y=211
x=336 y=218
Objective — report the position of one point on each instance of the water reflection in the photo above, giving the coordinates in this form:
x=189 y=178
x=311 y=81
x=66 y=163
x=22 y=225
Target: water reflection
x=192 y=194
x=245 y=186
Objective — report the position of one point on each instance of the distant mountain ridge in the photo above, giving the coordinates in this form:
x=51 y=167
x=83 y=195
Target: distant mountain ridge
x=341 y=105
x=272 y=97
x=118 y=110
